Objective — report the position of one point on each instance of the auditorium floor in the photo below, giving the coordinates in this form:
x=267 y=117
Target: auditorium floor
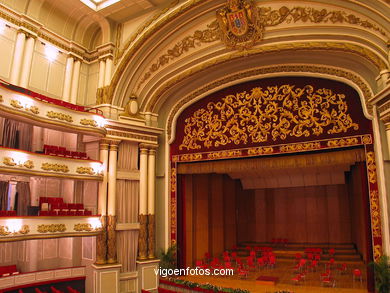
x=284 y=271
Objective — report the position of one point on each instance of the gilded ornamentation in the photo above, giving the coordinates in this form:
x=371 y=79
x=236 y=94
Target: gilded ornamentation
x=8 y=161
x=287 y=15
x=111 y=239
x=151 y=236
x=24 y=230
x=371 y=167
x=85 y=170
x=34 y=109
x=377 y=252
x=103 y=96
x=55 y=167
x=199 y=37
x=260 y=151
x=341 y=142
x=367 y=139
x=51 y=228
x=16 y=104
x=175 y=159
x=173 y=179
x=297 y=147
x=191 y=157
x=4 y=231
x=83 y=227
x=375 y=214
x=173 y=213
x=59 y=116
x=224 y=154
x=142 y=238
x=275 y=112
x=1 y=99
x=101 y=243
x=240 y=24
x=88 y=122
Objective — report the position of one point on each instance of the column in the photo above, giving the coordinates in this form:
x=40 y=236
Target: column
x=111 y=203
x=151 y=202
x=143 y=201
x=18 y=58
x=102 y=71
x=28 y=55
x=101 y=239
x=387 y=124
x=108 y=71
x=75 y=81
x=68 y=78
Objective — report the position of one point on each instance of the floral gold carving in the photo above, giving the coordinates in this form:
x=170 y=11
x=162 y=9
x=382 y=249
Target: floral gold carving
x=4 y=231
x=151 y=236
x=111 y=239
x=175 y=159
x=367 y=139
x=224 y=154
x=173 y=179
x=24 y=230
x=1 y=99
x=55 y=167
x=300 y=147
x=375 y=214
x=275 y=112
x=88 y=122
x=341 y=142
x=59 y=116
x=16 y=104
x=371 y=167
x=191 y=157
x=8 y=161
x=83 y=227
x=173 y=213
x=101 y=243
x=240 y=24
x=51 y=228
x=260 y=150
x=309 y=14
x=85 y=170
x=142 y=238
x=377 y=252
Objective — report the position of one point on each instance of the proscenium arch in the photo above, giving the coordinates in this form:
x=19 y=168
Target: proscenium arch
x=351 y=79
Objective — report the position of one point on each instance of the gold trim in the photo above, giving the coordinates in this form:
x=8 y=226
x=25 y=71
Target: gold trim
x=55 y=167
x=341 y=142
x=377 y=252
x=1 y=99
x=100 y=131
x=267 y=70
x=83 y=227
x=85 y=170
x=59 y=116
x=297 y=147
x=48 y=236
x=16 y=104
x=51 y=228
x=173 y=179
x=371 y=167
x=8 y=161
x=88 y=122
x=4 y=231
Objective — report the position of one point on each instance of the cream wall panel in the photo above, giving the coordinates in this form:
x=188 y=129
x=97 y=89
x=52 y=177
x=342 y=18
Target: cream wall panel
x=55 y=80
x=67 y=190
x=65 y=248
x=39 y=72
x=50 y=248
x=82 y=93
x=53 y=187
x=7 y=46
x=93 y=76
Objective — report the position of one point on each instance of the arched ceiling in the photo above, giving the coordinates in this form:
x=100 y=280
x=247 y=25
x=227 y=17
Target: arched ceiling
x=174 y=57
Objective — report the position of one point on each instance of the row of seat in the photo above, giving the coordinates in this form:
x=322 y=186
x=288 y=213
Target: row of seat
x=55 y=206
x=6 y=271
x=63 y=152
x=54 y=290
x=7 y=213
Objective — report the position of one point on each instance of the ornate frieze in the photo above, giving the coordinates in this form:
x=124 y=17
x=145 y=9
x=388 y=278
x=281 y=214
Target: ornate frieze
x=371 y=167
x=111 y=239
x=88 y=122
x=59 y=116
x=263 y=114
x=342 y=142
x=51 y=228
x=142 y=238
x=85 y=170
x=8 y=161
x=55 y=167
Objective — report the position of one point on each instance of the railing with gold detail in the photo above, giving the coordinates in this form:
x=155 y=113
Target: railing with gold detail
x=23 y=162
x=23 y=107
x=36 y=227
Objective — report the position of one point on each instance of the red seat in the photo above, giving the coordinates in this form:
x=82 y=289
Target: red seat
x=357 y=274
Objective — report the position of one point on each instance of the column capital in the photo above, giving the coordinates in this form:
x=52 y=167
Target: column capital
x=147 y=146
x=114 y=144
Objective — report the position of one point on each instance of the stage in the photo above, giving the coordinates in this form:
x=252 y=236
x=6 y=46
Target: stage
x=284 y=272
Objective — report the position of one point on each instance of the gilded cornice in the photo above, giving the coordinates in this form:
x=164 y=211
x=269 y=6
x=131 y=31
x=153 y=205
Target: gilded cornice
x=268 y=18
x=357 y=80
x=293 y=47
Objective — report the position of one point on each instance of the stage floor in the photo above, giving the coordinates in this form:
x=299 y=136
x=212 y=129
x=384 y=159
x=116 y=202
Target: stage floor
x=284 y=271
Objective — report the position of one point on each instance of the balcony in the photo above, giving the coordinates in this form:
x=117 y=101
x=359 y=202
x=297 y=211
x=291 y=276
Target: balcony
x=37 y=227
x=43 y=111
x=27 y=163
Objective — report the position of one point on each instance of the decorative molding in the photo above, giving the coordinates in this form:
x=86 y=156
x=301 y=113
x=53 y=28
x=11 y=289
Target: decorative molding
x=269 y=70
x=85 y=170
x=298 y=147
x=17 y=105
x=133 y=136
x=55 y=167
x=275 y=112
x=88 y=122
x=173 y=179
x=224 y=154
x=142 y=237
x=84 y=227
x=101 y=243
x=51 y=228
x=341 y=142
x=4 y=231
x=371 y=167
x=59 y=116
x=151 y=236
x=111 y=240
x=8 y=161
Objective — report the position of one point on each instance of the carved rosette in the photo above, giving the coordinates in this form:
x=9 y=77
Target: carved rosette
x=142 y=239
x=111 y=239
x=101 y=243
x=151 y=236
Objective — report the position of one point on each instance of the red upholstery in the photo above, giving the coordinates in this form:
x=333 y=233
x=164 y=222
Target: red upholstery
x=8 y=270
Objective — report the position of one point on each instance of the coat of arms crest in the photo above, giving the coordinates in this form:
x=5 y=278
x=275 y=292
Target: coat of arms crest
x=239 y=24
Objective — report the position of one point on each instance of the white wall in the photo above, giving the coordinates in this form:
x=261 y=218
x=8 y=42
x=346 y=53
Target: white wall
x=7 y=46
